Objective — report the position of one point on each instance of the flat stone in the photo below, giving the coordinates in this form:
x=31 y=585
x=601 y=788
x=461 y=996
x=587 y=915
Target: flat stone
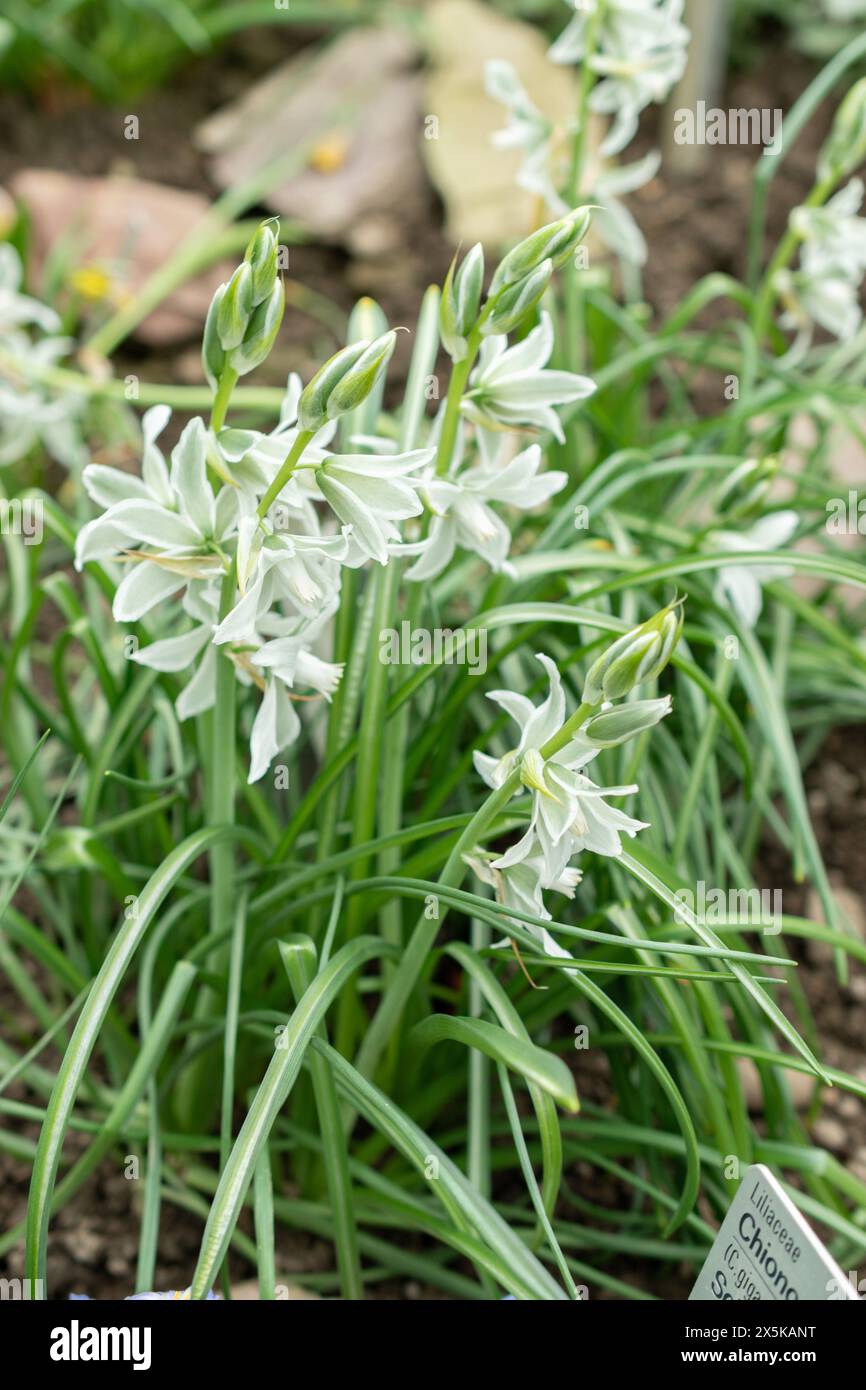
x=850 y=905
x=122 y=230
x=352 y=114
x=476 y=179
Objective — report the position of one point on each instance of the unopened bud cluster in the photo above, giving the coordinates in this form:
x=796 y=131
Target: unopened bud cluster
x=745 y=489
x=245 y=313
x=845 y=147
x=344 y=381
x=637 y=656
x=517 y=285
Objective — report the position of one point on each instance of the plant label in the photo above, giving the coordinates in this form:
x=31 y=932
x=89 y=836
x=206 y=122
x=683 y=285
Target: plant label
x=765 y=1251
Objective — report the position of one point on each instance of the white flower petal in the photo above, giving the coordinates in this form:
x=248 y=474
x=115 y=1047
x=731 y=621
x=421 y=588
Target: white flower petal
x=142 y=589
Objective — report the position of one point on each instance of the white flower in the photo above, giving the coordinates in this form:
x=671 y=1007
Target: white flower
x=739 y=586
x=521 y=887
x=826 y=288
x=254 y=459
x=510 y=388
x=287 y=662
x=275 y=727
x=640 y=52
x=461 y=515
x=369 y=494
x=172 y=512
x=31 y=415
x=612 y=221
x=288 y=655
x=569 y=812
x=301 y=571
x=17 y=309
x=527 y=130
x=531 y=132
x=201 y=603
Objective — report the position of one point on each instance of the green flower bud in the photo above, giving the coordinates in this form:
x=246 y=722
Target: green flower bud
x=845 y=147
x=366 y=321
x=460 y=302
x=344 y=381
x=615 y=726
x=235 y=308
x=213 y=355
x=639 y=655
x=261 y=256
x=517 y=300
x=263 y=327
x=745 y=489
x=556 y=243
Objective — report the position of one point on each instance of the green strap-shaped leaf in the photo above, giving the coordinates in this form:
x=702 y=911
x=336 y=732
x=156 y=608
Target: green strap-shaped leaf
x=83 y=1040
x=633 y=862
x=269 y=1099
x=518 y=1269
x=545 y=1109
x=518 y=1054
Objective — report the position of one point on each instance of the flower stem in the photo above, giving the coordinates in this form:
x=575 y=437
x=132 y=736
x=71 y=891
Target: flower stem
x=574 y=316
x=785 y=252
x=420 y=944
x=456 y=387
x=292 y=460
x=193 y=1095
x=227 y=383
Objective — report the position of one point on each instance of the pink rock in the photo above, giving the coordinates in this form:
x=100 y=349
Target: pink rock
x=127 y=228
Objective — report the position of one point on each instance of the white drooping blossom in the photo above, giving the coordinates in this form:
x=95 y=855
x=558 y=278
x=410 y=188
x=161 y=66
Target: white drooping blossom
x=544 y=168
x=739 y=586
x=825 y=290
x=638 y=49
x=285 y=662
x=370 y=494
x=192 y=647
x=510 y=387
x=235 y=544
x=569 y=812
x=613 y=222
x=527 y=130
x=17 y=309
x=462 y=515
x=522 y=887
x=168 y=524
x=30 y=339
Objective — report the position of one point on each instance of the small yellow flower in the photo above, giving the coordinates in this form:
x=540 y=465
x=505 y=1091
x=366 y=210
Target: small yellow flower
x=329 y=154
x=91 y=282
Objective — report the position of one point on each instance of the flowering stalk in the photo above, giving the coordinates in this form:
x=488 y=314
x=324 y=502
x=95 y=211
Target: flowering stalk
x=782 y=257
x=421 y=942
x=656 y=640
x=289 y=465
x=574 y=353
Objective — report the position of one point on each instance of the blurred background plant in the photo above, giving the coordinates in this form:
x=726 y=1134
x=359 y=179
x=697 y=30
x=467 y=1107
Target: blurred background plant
x=122 y=48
